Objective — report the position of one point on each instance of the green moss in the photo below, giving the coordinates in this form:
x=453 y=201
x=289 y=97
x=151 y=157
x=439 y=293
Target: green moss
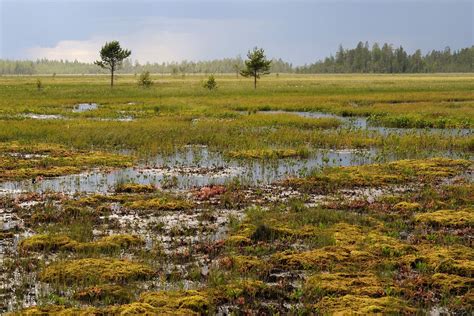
x=448 y=218
x=95 y=270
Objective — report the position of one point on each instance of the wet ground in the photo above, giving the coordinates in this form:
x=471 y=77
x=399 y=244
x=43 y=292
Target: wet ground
x=195 y=198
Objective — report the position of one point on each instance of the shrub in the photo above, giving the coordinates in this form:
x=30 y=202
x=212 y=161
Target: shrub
x=145 y=80
x=211 y=83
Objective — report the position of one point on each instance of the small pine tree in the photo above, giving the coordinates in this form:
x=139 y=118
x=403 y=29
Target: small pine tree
x=145 y=80
x=211 y=83
x=256 y=65
x=39 y=84
x=112 y=56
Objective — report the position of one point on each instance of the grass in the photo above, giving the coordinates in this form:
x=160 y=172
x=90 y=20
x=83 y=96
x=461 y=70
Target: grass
x=175 y=112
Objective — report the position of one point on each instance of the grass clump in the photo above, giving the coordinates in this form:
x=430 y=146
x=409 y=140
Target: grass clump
x=268 y=153
x=95 y=270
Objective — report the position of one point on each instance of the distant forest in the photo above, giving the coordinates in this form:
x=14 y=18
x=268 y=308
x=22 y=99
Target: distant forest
x=386 y=59
x=361 y=59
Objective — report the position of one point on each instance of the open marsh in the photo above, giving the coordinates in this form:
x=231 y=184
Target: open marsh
x=310 y=195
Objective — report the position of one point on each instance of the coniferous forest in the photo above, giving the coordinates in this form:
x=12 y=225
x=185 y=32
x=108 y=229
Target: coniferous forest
x=362 y=59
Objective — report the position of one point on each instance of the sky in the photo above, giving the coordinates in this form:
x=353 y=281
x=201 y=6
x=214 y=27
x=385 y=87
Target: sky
x=297 y=31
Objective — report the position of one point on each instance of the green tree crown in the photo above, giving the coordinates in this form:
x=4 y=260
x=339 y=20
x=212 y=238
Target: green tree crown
x=111 y=56
x=256 y=65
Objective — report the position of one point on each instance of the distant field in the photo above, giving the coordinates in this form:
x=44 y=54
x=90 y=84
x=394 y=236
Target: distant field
x=181 y=111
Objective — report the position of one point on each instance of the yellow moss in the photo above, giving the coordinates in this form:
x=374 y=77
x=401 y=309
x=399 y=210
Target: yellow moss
x=111 y=242
x=380 y=244
x=135 y=188
x=192 y=300
x=406 y=207
x=325 y=284
x=135 y=308
x=377 y=175
x=238 y=240
x=318 y=258
x=53 y=160
x=108 y=292
x=346 y=234
x=161 y=204
x=354 y=304
x=450 y=218
x=245 y=264
x=239 y=288
x=453 y=260
x=47 y=242
x=94 y=270
x=452 y=283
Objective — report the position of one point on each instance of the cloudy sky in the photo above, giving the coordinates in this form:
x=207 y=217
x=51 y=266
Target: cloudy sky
x=297 y=31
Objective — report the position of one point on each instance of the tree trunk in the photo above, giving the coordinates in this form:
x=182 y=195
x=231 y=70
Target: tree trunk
x=255 y=81
x=112 y=77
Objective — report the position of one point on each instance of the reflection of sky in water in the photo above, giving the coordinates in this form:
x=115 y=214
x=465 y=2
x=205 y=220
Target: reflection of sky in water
x=196 y=166
x=359 y=122
x=82 y=107
x=199 y=167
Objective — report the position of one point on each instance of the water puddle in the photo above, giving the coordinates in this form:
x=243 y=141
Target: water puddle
x=83 y=107
x=194 y=166
x=43 y=116
x=359 y=122
x=119 y=119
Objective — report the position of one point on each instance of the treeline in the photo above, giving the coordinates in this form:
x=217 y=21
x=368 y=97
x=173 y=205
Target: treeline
x=45 y=66
x=387 y=59
x=362 y=59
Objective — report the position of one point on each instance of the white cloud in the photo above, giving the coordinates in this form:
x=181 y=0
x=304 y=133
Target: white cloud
x=165 y=40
